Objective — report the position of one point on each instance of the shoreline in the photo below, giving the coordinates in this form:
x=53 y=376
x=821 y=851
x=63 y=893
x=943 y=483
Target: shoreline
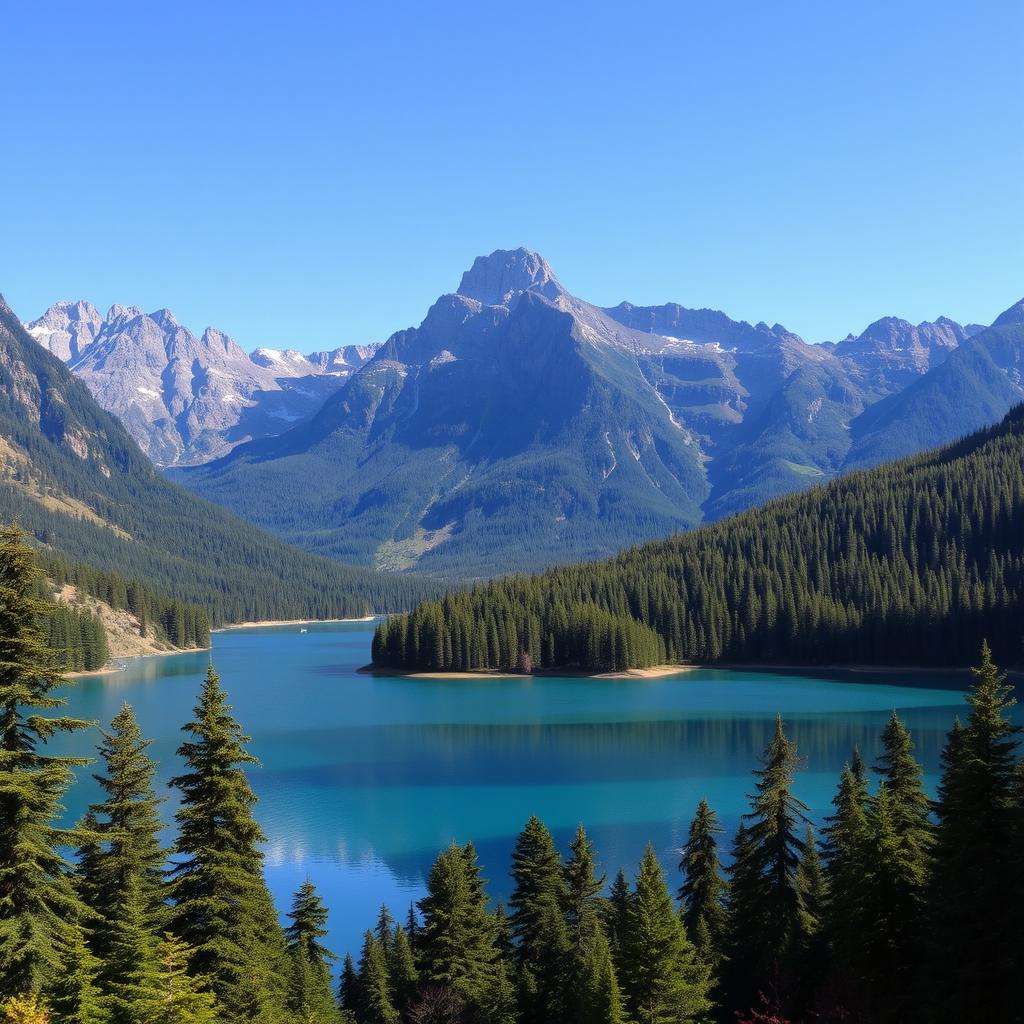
x=654 y=672
x=286 y=622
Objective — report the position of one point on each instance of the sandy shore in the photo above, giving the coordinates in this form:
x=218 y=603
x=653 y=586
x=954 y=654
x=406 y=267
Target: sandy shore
x=655 y=672
x=110 y=669
x=287 y=622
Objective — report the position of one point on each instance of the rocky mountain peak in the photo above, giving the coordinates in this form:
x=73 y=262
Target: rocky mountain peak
x=1013 y=315
x=499 y=279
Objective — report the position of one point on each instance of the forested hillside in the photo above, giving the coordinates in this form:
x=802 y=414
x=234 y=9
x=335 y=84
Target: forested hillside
x=72 y=477
x=910 y=563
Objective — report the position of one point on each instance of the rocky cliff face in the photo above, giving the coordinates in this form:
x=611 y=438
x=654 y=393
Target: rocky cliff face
x=188 y=399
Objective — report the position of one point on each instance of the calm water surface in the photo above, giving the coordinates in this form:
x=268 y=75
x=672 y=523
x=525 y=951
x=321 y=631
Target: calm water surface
x=364 y=778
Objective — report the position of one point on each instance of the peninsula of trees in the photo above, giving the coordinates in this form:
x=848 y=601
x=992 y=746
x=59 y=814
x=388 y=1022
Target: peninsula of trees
x=911 y=563
x=899 y=911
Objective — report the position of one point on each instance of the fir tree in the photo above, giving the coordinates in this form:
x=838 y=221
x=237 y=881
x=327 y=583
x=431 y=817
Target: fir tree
x=598 y=998
x=582 y=887
x=177 y=997
x=976 y=901
x=616 y=920
x=458 y=954
x=130 y=967
x=664 y=978
x=38 y=903
x=702 y=893
x=374 y=985
x=222 y=908
x=310 y=994
x=901 y=775
x=538 y=924
x=402 y=969
x=127 y=820
x=348 y=988
x=768 y=934
x=73 y=995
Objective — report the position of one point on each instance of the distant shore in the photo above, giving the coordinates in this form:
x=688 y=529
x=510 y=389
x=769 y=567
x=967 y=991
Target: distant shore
x=654 y=672
x=286 y=622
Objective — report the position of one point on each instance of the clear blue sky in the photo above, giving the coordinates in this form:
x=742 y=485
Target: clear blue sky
x=316 y=174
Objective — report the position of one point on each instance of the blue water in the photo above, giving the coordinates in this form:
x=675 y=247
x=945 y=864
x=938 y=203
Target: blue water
x=364 y=778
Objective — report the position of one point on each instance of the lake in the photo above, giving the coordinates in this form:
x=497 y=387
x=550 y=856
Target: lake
x=364 y=778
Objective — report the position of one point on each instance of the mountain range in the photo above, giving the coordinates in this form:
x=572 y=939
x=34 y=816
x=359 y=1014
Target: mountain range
x=188 y=399
x=75 y=480
x=519 y=426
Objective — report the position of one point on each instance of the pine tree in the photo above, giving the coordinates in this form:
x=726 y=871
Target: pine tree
x=582 y=887
x=38 y=903
x=402 y=969
x=73 y=995
x=768 y=931
x=374 y=985
x=348 y=988
x=222 y=908
x=702 y=893
x=598 y=997
x=458 y=953
x=901 y=775
x=538 y=924
x=177 y=997
x=310 y=994
x=130 y=969
x=664 y=978
x=616 y=920
x=127 y=820
x=976 y=895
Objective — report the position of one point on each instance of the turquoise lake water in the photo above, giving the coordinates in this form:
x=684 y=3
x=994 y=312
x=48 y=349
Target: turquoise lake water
x=364 y=778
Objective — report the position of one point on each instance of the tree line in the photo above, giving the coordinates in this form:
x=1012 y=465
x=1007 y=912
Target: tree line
x=900 y=910
x=914 y=562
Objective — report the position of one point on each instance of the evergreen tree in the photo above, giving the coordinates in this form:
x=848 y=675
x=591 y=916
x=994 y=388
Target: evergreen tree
x=616 y=921
x=38 y=903
x=130 y=969
x=702 y=893
x=976 y=894
x=310 y=994
x=597 y=996
x=664 y=979
x=458 y=954
x=127 y=820
x=537 y=919
x=582 y=887
x=768 y=933
x=901 y=775
x=222 y=908
x=374 y=985
x=402 y=969
x=73 y=995
x=177 y=997
x=348 y=988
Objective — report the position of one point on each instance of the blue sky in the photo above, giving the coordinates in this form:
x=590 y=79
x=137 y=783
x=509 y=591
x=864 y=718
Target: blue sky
x=316 y=174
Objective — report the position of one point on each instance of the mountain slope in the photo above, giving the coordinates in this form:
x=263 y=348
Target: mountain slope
x=72 y=476
x=188 y=399
x=914 y=562
x=519 y=426
x=976 y=385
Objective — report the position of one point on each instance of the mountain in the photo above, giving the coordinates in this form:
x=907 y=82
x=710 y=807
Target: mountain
x=188 y=399
x=912 y=563
x=72 y=476
x=519 y=426
x=975 y=385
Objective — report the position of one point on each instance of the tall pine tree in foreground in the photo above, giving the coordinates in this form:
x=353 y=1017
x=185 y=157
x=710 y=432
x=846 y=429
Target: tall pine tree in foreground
x=177 y=997
x=38 y=903
x=976 y=891
x=768 y=931
x=665 y=980
x=222 y=908
x=702 y=893
x=542 y=943
x=310 y=997
x=125 y=851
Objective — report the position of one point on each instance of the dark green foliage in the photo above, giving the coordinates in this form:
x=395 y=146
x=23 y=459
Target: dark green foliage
x=348 y=987
x=769 y=926
x=977 y=899
x=37 y=901
x=124 y=849
x=143 y=526
x=222 y=908
x=458 y=953
x=402 y=969
x=73 y=995
x=541 y=938
x=663 y=977
x=910 y=563
x=702 y=893
x=310 y=996
x=375 y=1006
x=78 y=637
x=616 y=918
x=130 y=970
x=177 y=997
